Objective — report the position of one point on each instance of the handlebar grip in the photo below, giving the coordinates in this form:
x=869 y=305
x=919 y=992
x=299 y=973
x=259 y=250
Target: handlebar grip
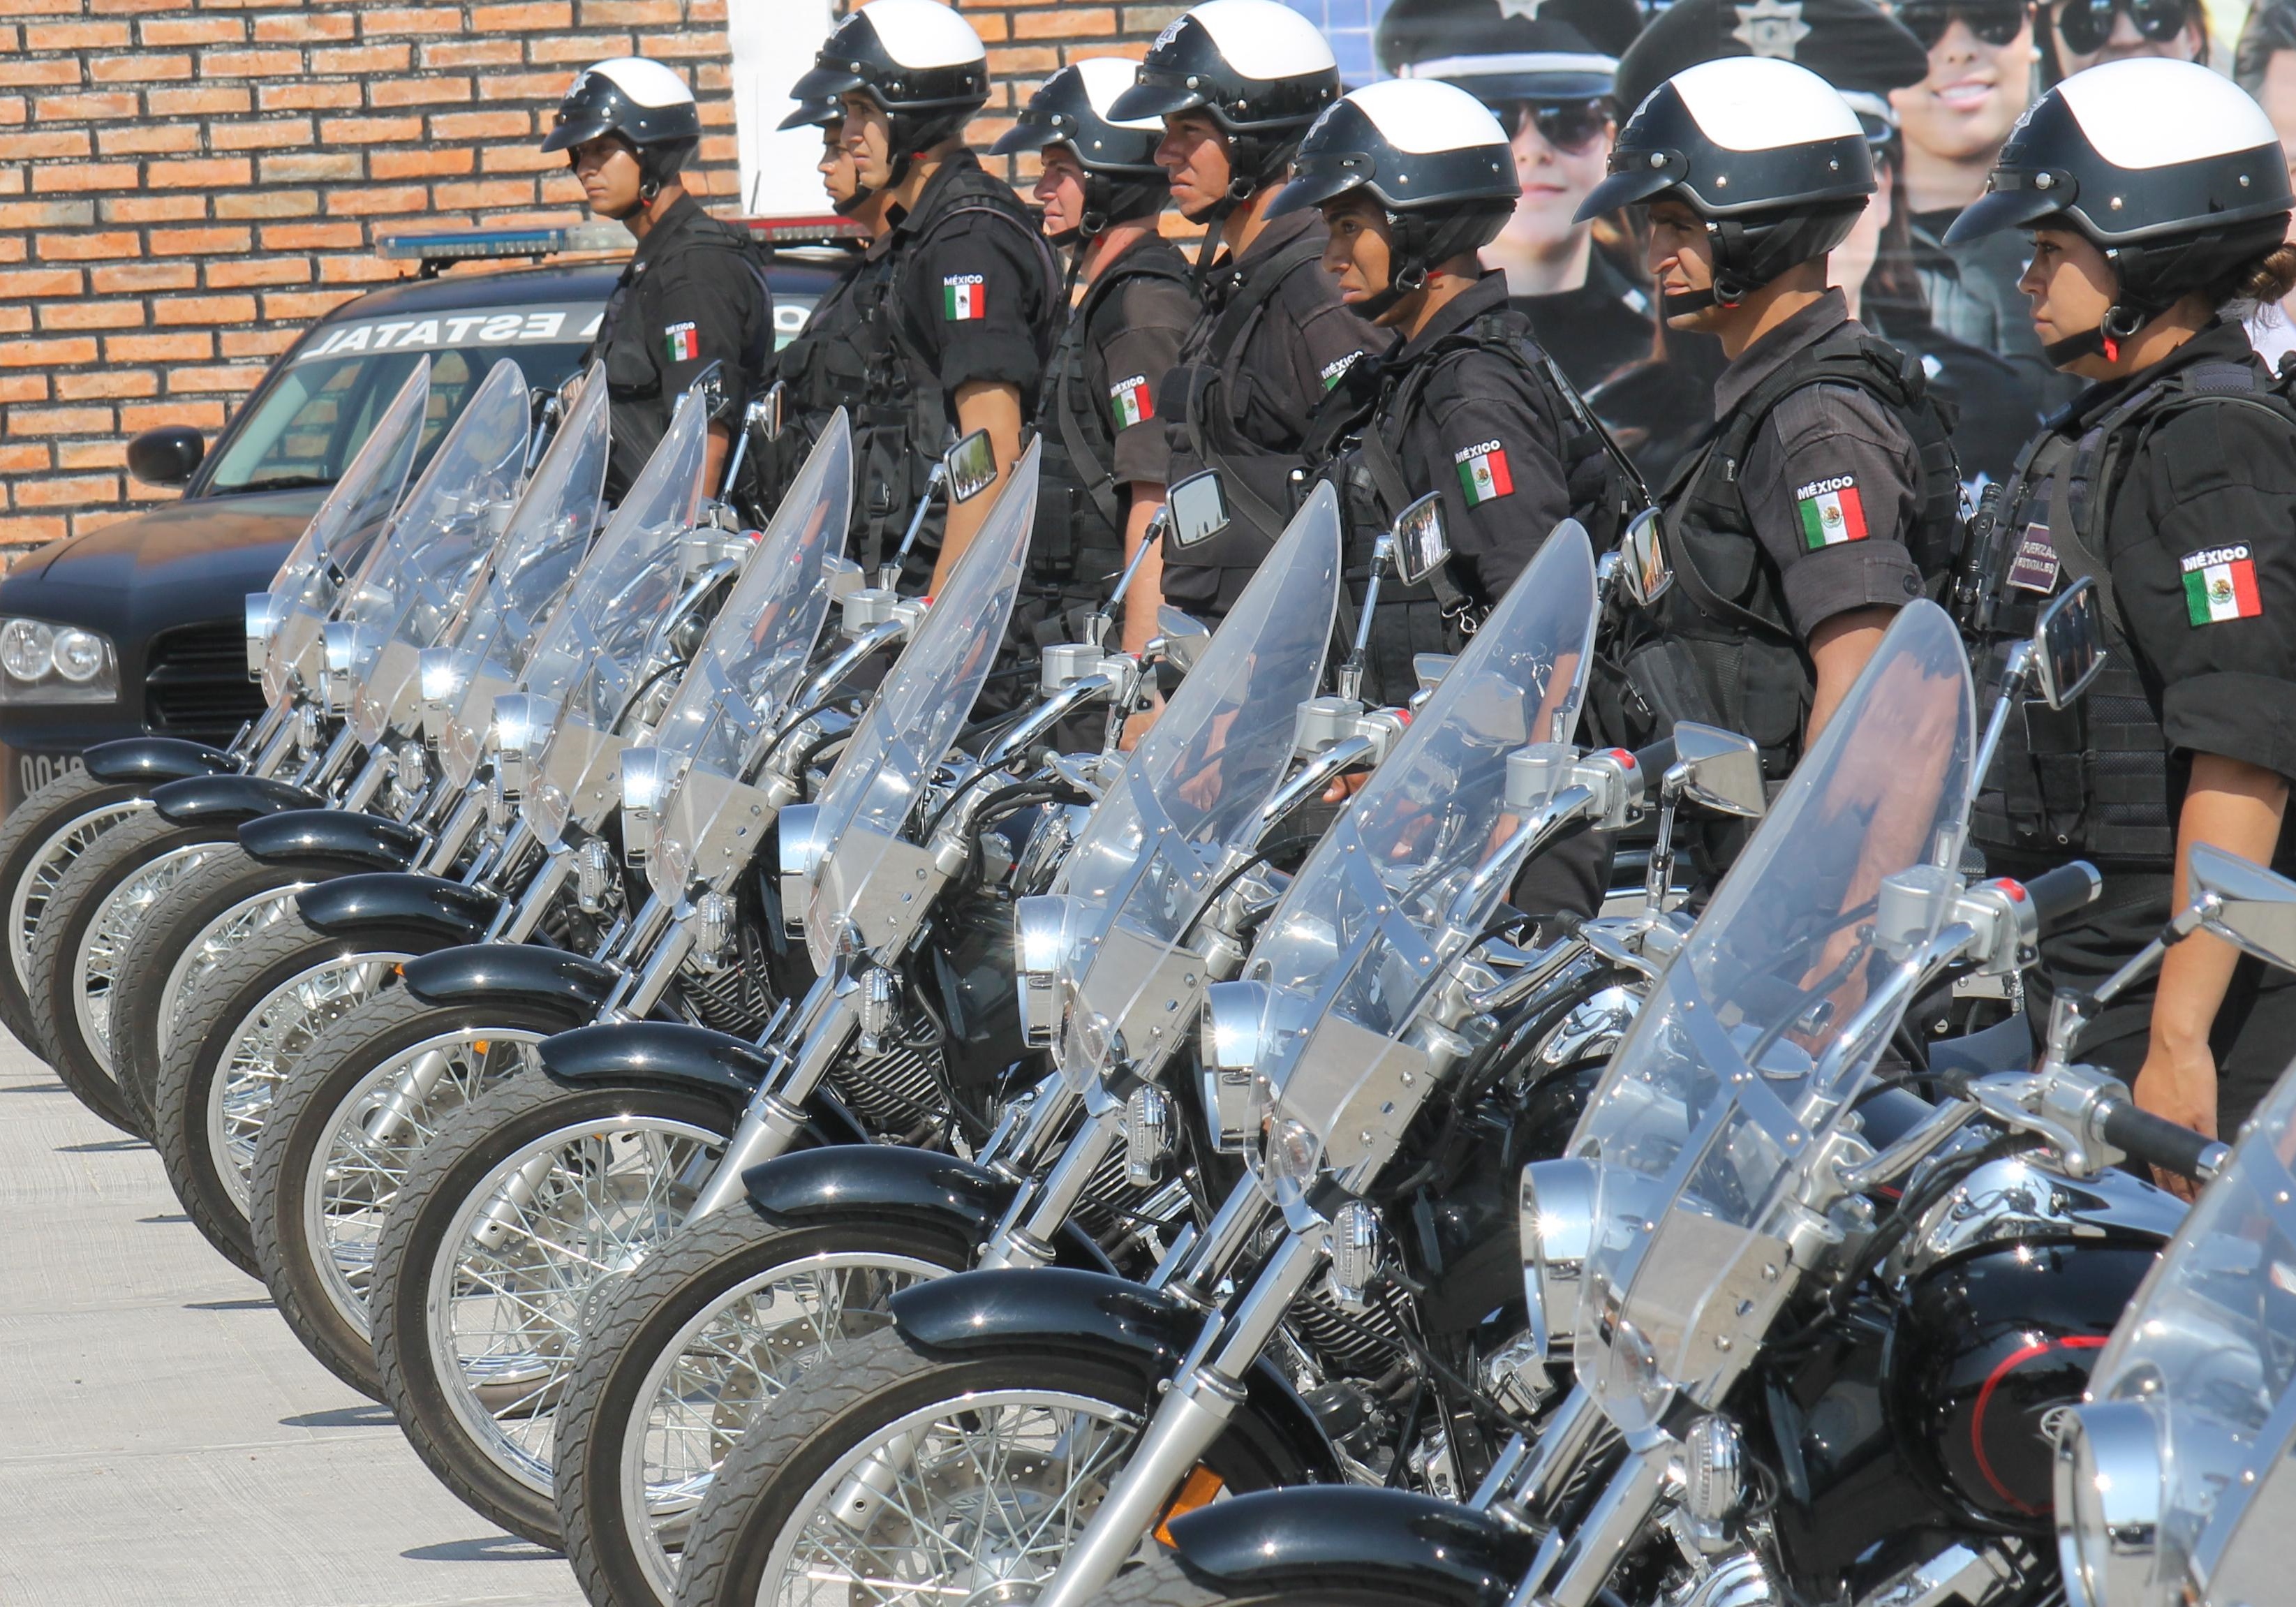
x=2149 y=1138
x=1655 y=760
x=2064 y=891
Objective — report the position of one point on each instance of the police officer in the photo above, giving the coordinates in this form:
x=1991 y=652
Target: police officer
x=1236 y=83
x=1827 y=493
x=953 y=306
x=694 y=293
x=2157 y=197
x=1102 y=476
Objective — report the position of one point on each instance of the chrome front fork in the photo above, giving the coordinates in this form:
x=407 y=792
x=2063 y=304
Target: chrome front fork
x=1024 y=1238
x=1573 y=1564
x=777 y=1112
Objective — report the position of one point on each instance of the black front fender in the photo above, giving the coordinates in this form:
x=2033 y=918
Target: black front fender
x=880 y=1180
x=1373 y=1537
x=382 y=905
x=669 y=1053
x=480 y=972
x=358 y=842
x=229 y=799
x=155 y=759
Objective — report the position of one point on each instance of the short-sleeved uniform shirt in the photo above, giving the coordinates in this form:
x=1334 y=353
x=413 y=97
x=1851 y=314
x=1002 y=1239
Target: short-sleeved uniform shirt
x=1830 y=482
x=976 y=297
x=1134 y=340
x=692 y=295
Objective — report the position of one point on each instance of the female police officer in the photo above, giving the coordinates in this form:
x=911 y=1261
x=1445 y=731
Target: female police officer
x=2158 y=197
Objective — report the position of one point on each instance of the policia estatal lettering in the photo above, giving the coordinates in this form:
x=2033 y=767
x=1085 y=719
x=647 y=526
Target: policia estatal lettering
x=1826 y=497
x=1101 y=475
x=695 y=293
x=2171 y=482
x=947 y=321
x=1236 y=83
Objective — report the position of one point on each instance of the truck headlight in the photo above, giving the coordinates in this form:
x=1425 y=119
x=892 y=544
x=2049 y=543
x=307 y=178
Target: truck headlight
x=41 y=662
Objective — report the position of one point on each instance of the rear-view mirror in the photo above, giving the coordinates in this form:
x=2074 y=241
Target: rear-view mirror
x=1643 y=573
x=710 y=385
x=1419 y=541
x=2245 y=905
x=1718 y=769
x=166 y=455
x=1197 y=507
x=1184 y=637
x=970 y=465
x=2068 y=644
x=772 y=408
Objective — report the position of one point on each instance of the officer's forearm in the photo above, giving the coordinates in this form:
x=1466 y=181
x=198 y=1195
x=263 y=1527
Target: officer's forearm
x=1147 y=591
x=721 y=441
x=994 y=406
x=1840 y=648
x=2237 y=807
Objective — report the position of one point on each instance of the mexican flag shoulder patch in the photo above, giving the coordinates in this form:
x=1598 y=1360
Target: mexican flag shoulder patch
x=1483 y=473
x=1831 y=512
x=2220 y=584
x=682 y=342
x=964 y=296
x=1130 y=401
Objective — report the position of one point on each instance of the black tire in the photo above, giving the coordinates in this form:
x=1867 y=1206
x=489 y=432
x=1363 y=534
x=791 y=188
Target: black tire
x=159 y=957
x=705 y=1270
x=305 y=1114
x=221 y=1004
x=878 y=1382
x=110 y=863
x=76 y=799
x=1162 y=1580
x=419 y=1251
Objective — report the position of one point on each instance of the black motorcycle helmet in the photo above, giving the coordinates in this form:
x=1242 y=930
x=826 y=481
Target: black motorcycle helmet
x=1121 y=179
x=642 y=102
x=1763 y=152
x=2174 y=172
x=1429 y=155
x=1259 y=69
x=916 y=60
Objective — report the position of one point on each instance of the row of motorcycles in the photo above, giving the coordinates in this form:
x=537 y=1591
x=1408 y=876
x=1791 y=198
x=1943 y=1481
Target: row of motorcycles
x=781 y=1126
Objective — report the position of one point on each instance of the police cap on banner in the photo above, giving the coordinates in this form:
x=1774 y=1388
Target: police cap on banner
x=1505 y=51
x=1849 y=43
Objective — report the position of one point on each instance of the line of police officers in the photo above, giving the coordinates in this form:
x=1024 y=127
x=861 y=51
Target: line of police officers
x=1338 y=322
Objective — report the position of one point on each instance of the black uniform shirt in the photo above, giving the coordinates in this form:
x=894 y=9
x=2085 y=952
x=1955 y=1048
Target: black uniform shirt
x=976 y=297
x=1832 y=481
x=2202 y=543
x=1595 y=330
x=1134 y=340
x=1478 y=438
x=691 y=296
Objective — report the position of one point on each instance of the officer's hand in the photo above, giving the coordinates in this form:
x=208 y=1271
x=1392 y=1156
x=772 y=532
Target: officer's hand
x=2179 y=1085
x=1346 y=787
x=1142 y=722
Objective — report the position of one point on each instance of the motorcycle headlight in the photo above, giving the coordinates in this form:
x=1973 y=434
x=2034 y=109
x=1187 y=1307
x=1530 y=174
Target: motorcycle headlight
x=1233 y=1013
x=1291 y=1159
x=805 y=838
x=522 y=723
x=339 y=639
x=645 y=782
x=2108 y=1502
x=441 y=676
x=42 y=662
x=1039 y=943
x=1555 y=1216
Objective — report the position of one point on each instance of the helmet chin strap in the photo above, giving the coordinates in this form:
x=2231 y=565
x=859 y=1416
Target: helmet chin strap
x=2122 y=321
x=1239 y=190
x=1408 y=281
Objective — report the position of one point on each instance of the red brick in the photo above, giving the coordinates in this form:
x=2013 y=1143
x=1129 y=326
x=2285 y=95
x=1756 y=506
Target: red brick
x=46 y=354
x=518 y=159
x=579 y=48
x=206 y=311
x=271 y=136
x=421 y=164
x=193 y=31
x=1015 y=59
x=480 y=125
x=155 y=208
x=523 y=85
x=260 y=270
x=76 y=36
x=145 y=139
x=268 y=203
x=206 y=173
x=60 y=70
x=311 y=167
x=23 y=387
x=358 y=203
x=368 y=130
x=91 y=455
x=250 y=63
x=418 y=91
x=108 y=382
x=485 y=192
x=189 y=345
x=130 y=8
x=363 y=60
x=313 y=237
x=410 y=20
x=144 y=277
x=702 y=11
x=631 y=14
x=359 y=270
x=144 y=68
x=302 y=307
x=472 y=52
x=303 y=27
x=67 y=492
x=93 y=315
x=15 y=320
x=56 y=142
x=520 y=19
x=1063 y=23
x=31 y=532
x=258 y=342
x=14 y=109
x=195 y=242
x=237 y=378
x=40 y=281
x=197 y=416
x=26 y=459
x=209 y=100
x=73 y=177
x=59 y=421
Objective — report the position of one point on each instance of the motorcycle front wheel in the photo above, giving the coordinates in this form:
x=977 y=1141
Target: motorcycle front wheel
x=493 y=1258
x=910 y=1475
x=1162 y=1580
x=39 y=841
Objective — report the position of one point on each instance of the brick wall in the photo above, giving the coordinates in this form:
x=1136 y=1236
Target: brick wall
x=184 y=183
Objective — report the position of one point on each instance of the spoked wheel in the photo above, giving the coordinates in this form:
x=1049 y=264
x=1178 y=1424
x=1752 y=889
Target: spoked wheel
x=79 y=949
x=1163 y=1581
x=202 y=919
x=39 y=841
x=903 y=1475
x=687 y=1352
x=342 y=1131
x=492 y=1260
x=241 y=1031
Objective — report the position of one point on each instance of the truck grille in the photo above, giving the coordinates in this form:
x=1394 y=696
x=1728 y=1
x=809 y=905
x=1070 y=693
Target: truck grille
x=195 y=683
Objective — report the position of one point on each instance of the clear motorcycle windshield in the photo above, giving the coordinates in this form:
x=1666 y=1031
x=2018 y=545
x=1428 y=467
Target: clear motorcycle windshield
x=738 y=688
x=1700 y=1121
x=1366 y=924
x=2207 y=1351
x=919 y=708
x=534 y=565
x=415 y=585
x=341 y=537
x=1194 y=786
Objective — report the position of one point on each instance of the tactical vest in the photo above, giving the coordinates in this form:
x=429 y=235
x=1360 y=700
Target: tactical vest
x=1719 y=645
x=2091 y=779
x=1354 y=439
x=1260 y=486
x=872 y=362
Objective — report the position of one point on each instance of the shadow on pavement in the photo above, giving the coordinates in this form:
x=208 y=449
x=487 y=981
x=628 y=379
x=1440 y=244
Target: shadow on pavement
x=487 y=1548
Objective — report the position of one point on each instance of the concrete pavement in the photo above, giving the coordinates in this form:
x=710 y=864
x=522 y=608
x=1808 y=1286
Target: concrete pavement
x=163 y=1438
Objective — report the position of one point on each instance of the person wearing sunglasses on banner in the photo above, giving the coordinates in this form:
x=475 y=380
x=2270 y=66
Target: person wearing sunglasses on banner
x=1548 y=78
x=2265 y=65
x=2158 y=202
x=2084 y=33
